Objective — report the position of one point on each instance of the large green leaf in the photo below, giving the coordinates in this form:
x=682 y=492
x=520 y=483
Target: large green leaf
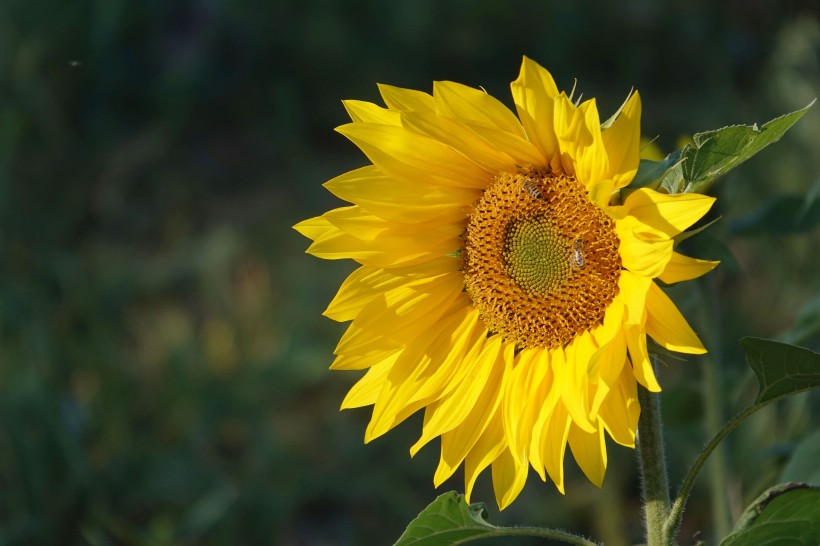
x=787 y=514
x=711 y=155
x=449 y=521
x=781 y=369
x=714 y=153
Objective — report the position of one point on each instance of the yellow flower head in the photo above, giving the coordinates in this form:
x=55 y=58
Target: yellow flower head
x=500 y=289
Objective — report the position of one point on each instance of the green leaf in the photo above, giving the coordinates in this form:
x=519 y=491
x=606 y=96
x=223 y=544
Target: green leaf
x=714 y=153
x=651 y=171
x=781 y=369
x=787 y=514
x=449 y=521
x=673 y=181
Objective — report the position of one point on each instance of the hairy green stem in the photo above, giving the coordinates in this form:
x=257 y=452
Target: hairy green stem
x=654 y=482
x=552 y=534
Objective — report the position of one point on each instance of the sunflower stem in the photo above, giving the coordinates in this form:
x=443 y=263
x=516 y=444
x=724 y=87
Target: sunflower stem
x=552 y=534
x=654 y=481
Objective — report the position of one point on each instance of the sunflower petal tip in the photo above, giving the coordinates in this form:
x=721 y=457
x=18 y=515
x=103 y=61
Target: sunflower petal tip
x=654 y=387
x=415 y=448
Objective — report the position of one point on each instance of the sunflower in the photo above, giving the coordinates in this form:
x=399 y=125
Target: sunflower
x=502 y=287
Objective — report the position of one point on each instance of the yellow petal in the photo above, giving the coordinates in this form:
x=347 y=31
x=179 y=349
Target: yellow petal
x=644 y=251
x=475 y=106
x=639 y=356
x=592 y=162
x=453 y=409
x=360 y=288
x=509 y=478
x=622 y=141
x=573 y=380
x=632 y=290
x=578 y=131
x=367 y=112
x=422 y=371
x=667 y=326
x=467 y=437
x=487 y=120
x=355 y=234
x=386 y=251
x=366 y=391
x=517 y=147
x=670 y=214
x=606 y=366
x=399 y=98
x=534 y=93
x=543 y=397
x=601 y=193
x=442 y=373
x=683 y=268
x=314 y=228
x=405 y=155
x=553 y=445
x=550 y=393
x=519 y=405
x=589 y=451
x=400 y=200
x=612 y=325
x=620 y=411
x=359 y=223
x=401 y=314
x=456 y=135
x=362 y=361
x=488 y=448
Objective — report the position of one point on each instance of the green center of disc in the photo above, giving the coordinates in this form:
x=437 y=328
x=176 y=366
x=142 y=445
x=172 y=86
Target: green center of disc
x=537 y=258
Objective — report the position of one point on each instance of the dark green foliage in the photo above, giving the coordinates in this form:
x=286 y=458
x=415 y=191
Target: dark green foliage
x=785 y=514
x=163 y=361
x=781 y=369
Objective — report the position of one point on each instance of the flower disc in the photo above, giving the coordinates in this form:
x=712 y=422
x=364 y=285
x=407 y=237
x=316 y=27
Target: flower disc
x=541 y=260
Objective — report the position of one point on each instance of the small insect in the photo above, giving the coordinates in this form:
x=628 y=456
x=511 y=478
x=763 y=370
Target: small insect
x=530 y=187
x=577 y=258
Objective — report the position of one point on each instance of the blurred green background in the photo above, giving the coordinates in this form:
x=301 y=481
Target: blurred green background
x=163 y=361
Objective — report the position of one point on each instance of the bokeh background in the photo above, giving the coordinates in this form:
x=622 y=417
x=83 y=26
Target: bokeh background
x=163 y=361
